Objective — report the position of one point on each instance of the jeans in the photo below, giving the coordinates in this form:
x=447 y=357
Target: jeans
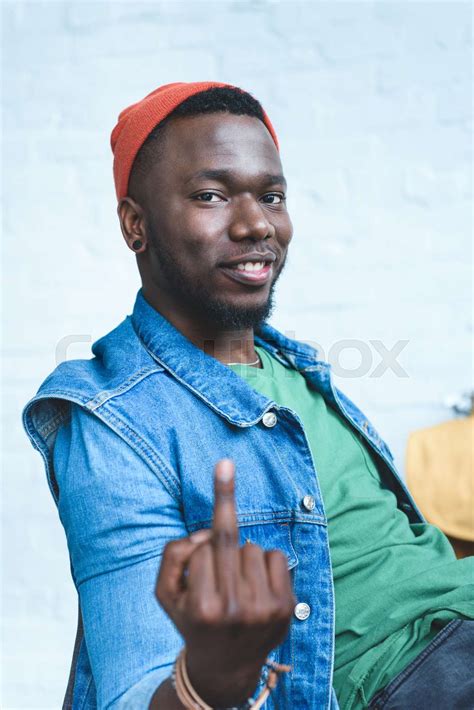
x=440 y=678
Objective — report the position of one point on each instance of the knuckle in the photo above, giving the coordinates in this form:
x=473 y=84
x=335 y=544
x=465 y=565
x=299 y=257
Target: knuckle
x=207 y=613
x=251 y=548
x=285 y=610
x=225 y=538
x=248 y=618
x=289 y=606
x=234 y=613
x=171 y=550
x=252 y=552
x=282 y=607
x=256 y=613
x=161 y=595
x=262 y=615
x=278 y=555
x=275 y=609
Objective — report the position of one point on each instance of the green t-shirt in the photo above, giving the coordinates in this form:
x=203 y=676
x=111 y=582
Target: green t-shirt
x=395 y=583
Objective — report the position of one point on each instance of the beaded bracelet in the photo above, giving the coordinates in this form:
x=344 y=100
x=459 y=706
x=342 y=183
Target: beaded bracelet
x=191 y=700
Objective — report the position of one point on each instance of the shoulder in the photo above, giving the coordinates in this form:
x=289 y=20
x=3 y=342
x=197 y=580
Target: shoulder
x=120 y=361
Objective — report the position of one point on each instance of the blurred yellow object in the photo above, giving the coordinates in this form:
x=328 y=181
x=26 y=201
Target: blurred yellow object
x=440 y=475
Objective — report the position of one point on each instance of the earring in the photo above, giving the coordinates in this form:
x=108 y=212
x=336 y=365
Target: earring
x=137 y=244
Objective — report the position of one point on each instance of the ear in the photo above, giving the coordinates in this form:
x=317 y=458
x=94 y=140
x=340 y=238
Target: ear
x=132 y=223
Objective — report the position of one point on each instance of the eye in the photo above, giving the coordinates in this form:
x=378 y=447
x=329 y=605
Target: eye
x=207 y=197
x=274 y=198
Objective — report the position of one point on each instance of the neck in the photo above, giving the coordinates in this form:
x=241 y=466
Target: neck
x=236 y=346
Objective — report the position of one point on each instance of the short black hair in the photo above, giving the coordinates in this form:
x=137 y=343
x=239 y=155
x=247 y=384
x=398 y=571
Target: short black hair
x=214 y=100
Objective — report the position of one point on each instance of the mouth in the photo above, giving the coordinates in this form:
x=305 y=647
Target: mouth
x=252 y=273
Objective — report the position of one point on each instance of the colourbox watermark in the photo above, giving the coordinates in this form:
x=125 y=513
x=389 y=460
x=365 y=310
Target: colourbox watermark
x=349 y=357
x=372 y=357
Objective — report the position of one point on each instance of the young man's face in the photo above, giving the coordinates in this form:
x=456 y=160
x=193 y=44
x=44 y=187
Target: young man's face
x=213 y=201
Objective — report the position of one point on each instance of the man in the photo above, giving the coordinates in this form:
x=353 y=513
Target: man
x=195 y=380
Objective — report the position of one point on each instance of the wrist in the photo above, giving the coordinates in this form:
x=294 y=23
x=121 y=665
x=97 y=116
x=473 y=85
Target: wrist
x=221 y=688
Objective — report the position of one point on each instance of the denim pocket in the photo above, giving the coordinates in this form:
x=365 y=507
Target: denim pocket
x=270 y=536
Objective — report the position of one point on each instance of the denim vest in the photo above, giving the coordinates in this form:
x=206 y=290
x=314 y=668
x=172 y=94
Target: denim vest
x=183 y=410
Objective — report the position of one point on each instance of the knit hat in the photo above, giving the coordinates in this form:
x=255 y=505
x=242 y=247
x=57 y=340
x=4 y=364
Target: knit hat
x=136 y=122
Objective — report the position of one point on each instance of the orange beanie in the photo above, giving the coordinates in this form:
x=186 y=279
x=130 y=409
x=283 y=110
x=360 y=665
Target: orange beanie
x=136 y=122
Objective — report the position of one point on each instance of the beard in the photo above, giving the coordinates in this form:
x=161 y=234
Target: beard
x=200 y=300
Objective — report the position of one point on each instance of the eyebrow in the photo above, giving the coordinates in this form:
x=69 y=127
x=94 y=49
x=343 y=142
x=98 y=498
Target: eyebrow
x=228 y=176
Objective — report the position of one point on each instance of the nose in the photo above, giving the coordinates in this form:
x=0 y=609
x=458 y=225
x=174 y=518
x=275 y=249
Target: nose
x=250 y=222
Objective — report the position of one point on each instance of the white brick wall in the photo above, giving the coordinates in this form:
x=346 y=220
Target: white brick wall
x=372 y=104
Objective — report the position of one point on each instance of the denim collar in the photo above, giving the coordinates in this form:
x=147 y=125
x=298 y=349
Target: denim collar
x=221 y=388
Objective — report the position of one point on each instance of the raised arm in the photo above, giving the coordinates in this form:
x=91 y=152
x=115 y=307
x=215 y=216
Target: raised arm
x=231 y=604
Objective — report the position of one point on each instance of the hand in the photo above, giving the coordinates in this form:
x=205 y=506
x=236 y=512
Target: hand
x=231 y=604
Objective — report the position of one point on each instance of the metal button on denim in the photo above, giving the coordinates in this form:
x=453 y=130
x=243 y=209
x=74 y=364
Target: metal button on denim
x=302 y=611
x=309 y=503
x=269 y=419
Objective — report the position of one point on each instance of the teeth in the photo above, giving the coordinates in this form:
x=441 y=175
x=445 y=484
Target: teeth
x=251 y=266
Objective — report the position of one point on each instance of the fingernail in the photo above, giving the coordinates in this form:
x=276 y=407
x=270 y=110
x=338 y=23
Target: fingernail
x=200 y=536
x=225 y=471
